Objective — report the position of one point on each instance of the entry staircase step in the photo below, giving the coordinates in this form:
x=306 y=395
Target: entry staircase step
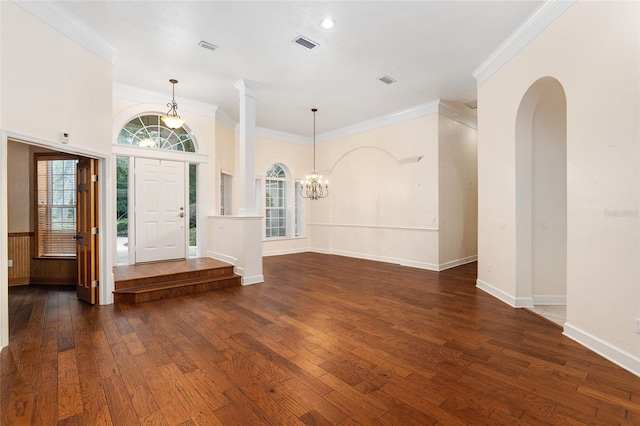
x=160 y=280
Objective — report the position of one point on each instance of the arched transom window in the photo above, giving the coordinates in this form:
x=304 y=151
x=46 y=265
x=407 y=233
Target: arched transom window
x=149 y=131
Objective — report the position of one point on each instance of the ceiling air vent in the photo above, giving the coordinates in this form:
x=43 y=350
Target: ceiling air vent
x=386 y=79
x=305 y=42
x=207 y=45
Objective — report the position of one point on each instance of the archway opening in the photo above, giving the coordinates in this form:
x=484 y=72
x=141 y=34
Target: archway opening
x=541 y=200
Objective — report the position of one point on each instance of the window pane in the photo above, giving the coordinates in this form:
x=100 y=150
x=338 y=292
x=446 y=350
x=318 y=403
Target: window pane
x=122 y=210
x=56 y=206
x=276 y=186
x=151 y=127
x=193 y=209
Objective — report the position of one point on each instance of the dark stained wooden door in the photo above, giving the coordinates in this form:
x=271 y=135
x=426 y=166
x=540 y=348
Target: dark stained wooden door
x=87 y=230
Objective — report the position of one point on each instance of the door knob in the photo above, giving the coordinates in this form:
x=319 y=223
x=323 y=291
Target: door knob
x=181 y=214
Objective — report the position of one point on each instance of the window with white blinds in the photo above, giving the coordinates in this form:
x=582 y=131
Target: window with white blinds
x=56 y=206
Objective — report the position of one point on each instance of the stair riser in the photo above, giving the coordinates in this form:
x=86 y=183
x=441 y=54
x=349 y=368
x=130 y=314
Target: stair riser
x=182 y=276
x=177 y=291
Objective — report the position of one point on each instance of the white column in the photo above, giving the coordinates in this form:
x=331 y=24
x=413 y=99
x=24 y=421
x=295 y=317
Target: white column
x=247 y=149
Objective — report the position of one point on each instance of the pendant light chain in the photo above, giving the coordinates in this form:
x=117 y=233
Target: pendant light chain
x=314 y=187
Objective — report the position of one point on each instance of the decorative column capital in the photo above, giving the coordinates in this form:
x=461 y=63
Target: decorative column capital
x=247 y=87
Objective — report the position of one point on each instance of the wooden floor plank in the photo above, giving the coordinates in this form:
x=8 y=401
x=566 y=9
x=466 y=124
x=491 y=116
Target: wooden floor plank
x=69 y=394
x=324 y=340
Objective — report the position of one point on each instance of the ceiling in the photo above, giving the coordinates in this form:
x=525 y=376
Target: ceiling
x=430 y=48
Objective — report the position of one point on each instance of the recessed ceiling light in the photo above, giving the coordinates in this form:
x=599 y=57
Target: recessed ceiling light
x=327 y=23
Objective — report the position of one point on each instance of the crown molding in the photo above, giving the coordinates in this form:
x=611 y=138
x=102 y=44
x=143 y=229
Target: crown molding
x=461 y=114
x=437 y=106
x=66 y=23
x=283 y=136
x=382 y=121
x=137 y=94
x=226 y=119
x=540 y=19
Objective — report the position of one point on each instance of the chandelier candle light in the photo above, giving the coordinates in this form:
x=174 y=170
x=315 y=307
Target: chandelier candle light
x=314 y=186
x=172 y=119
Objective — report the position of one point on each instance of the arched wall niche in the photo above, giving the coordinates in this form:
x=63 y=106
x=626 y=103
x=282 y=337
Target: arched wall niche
x=541 y=195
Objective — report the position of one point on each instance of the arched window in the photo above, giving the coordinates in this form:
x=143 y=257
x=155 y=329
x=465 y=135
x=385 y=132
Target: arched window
x=276 y=186
x=150 y=132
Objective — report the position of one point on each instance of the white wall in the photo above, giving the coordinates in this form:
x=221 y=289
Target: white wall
x=549 y=196
x=458 y=192
x=386 y=187
x=593 y=51
x=381 y=207
x=225 y=146
x=49 y=85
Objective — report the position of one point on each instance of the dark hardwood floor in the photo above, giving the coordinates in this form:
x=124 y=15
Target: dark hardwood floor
x=324 y=340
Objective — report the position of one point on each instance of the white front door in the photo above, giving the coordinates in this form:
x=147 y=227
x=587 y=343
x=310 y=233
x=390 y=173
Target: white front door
x=160 y=212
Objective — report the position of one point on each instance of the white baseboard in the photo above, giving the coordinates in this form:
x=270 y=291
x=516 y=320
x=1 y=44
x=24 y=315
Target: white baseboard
x=410 y=263
x=222 y=257
x=403 y=262
x=614 y=354
x=255 y=279
x=286 y=251
x=420 y=265
x=320 y=250
x=515 y=302
x=549 y=299
x=366 y=256
x=457 y=262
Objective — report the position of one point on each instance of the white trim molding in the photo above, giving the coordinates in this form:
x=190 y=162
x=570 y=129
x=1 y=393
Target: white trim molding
x=354 y=225
x=57 y=17
x=550 y=299
x=614 y=354
x=255 y=279
x=459 y=113
x=4 y=241
x=366 y=256
x=420 y=265
x=412 y=113
x=457 y=262
x=226 y=120
x=285 y=251
x=409 y=160
x=277 y=135
x=514 y=302
x=540 y=19
x=145 y=96
x=222 y=257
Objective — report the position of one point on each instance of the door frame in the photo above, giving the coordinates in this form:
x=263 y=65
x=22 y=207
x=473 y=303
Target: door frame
x=186 y=157
x=105 y=204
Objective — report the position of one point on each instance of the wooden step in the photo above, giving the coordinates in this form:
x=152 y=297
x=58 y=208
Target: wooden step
x=173 y=289
x=160 y=280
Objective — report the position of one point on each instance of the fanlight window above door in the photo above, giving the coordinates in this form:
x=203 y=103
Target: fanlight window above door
x=149 y=131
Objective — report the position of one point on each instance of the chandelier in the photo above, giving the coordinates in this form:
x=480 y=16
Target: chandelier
x=172 y=119
x=314 y=187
